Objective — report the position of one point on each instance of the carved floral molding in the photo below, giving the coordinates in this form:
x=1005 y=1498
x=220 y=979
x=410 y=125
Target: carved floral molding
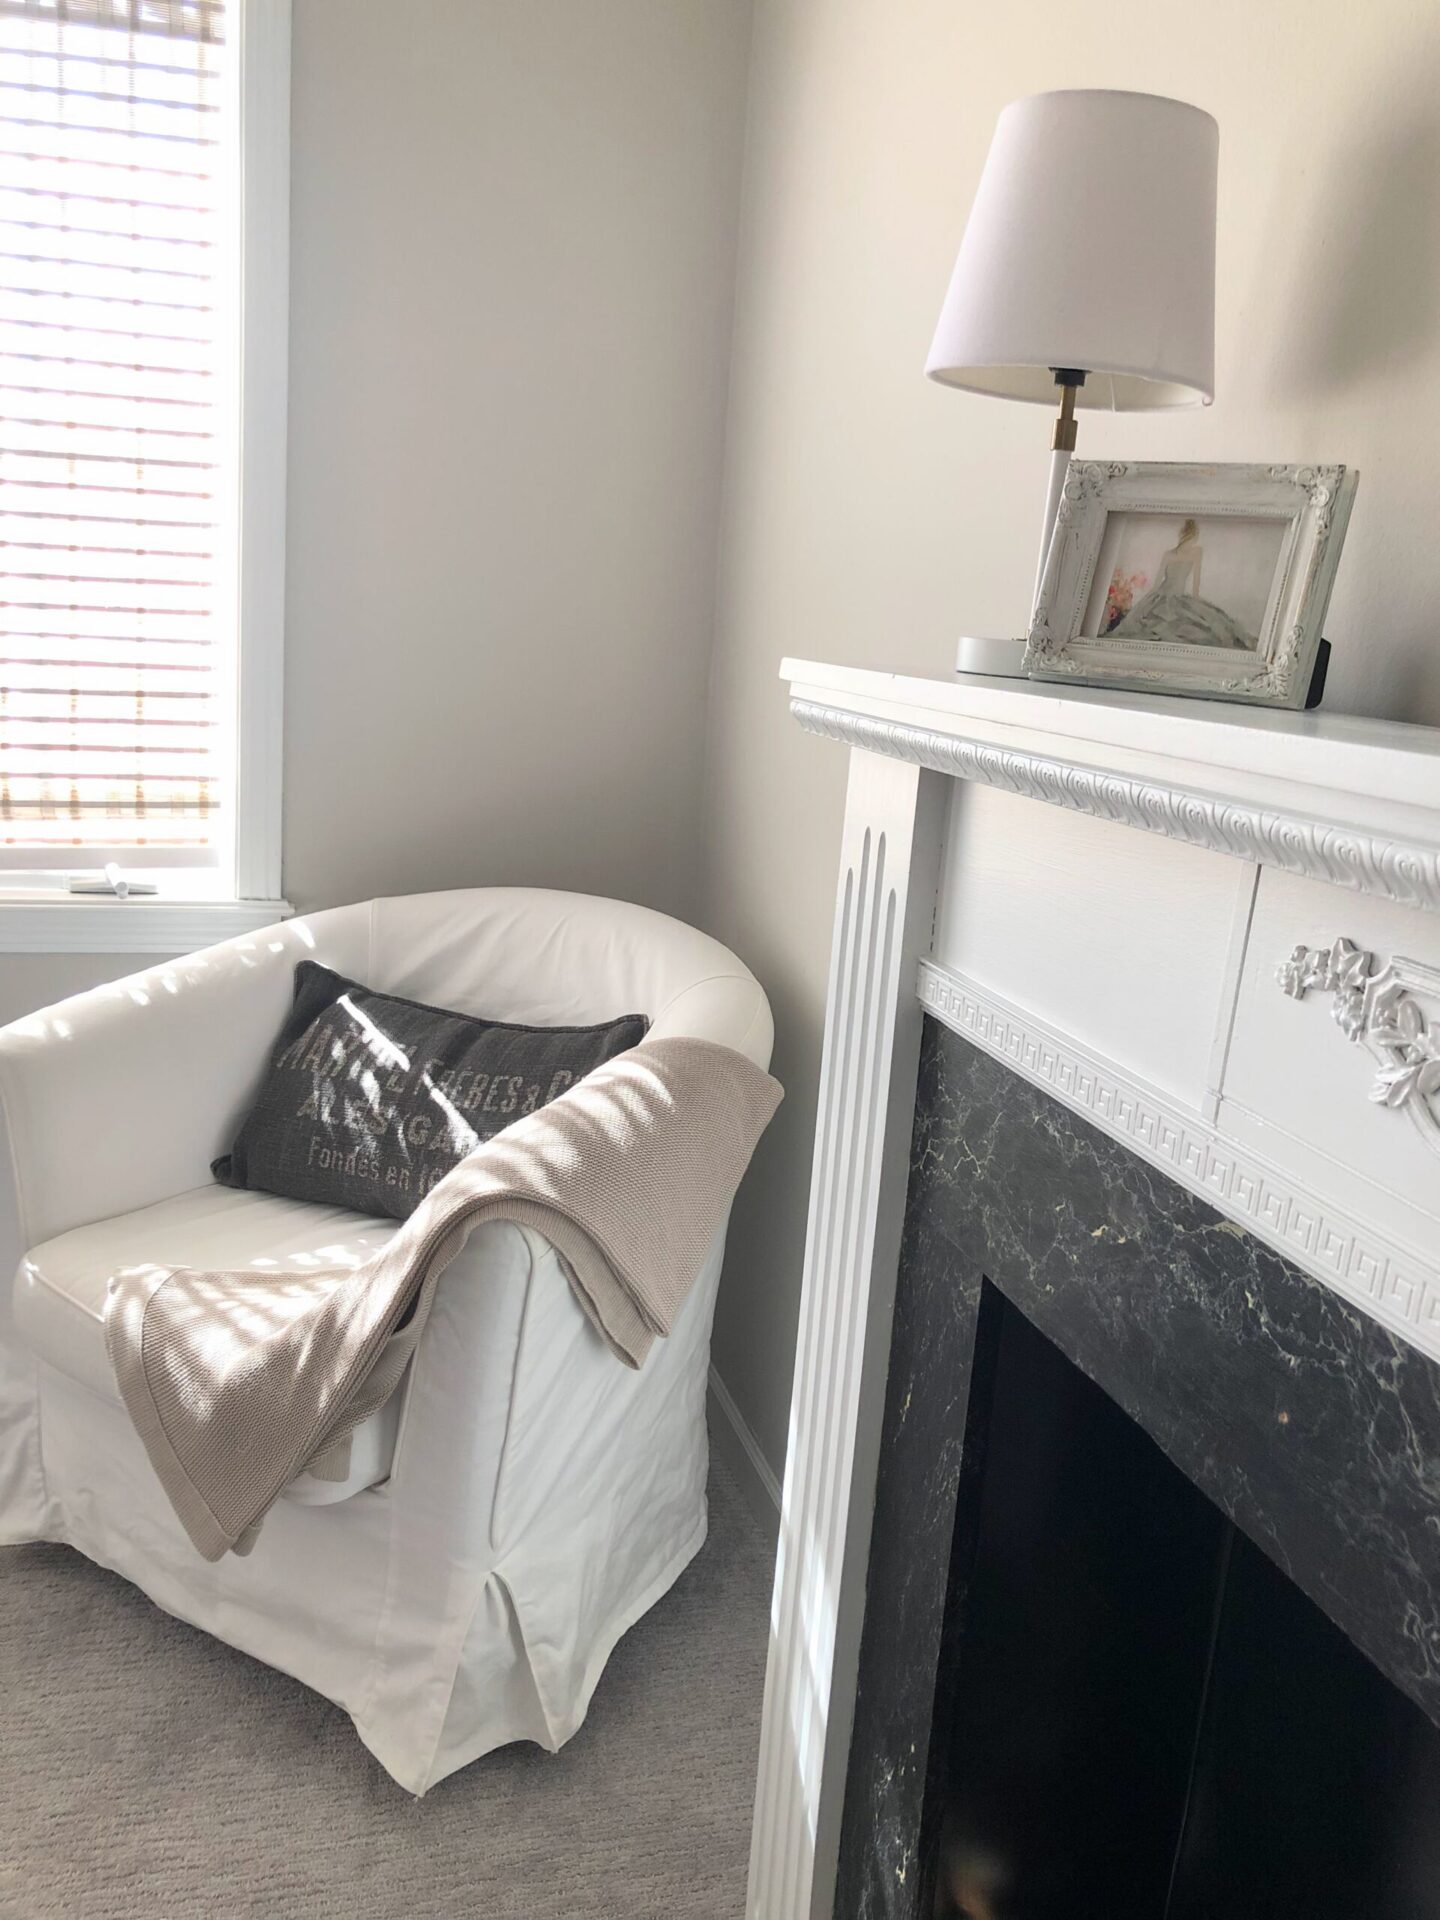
x=1378 y=1005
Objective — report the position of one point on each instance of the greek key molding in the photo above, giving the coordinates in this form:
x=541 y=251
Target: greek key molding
x=1378 y=1006
x=1393 y=1284
x=1406 y=872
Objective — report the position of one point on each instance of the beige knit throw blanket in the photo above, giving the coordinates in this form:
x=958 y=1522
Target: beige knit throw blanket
x=238 y=1381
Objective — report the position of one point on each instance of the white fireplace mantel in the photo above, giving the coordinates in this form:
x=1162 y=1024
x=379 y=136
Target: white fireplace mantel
x=1352 y=801
x=1215 y=933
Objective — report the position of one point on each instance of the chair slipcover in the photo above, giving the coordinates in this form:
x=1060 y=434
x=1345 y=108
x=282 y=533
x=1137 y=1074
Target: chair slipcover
x=525 y=1498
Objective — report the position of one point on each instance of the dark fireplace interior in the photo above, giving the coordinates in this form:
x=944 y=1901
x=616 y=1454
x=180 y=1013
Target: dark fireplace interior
x=1144 y=1718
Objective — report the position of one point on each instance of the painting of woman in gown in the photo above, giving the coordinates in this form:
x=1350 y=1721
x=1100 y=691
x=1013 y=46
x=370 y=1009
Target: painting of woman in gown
x=1173 y=609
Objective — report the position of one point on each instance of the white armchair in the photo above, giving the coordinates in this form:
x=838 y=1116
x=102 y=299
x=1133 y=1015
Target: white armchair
x=524 y=1498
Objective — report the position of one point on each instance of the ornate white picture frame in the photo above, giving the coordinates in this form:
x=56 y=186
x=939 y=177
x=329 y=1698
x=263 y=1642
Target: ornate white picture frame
x=1169 y=577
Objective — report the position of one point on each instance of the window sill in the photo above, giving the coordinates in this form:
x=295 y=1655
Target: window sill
x=67 y=923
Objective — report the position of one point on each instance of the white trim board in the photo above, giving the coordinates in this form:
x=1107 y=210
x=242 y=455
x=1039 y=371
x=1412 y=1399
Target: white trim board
x=262 y=83
x=131 y=926
x=1394 y=1283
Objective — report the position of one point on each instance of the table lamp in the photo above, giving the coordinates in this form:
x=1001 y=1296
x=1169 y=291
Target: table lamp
x=1086 y=276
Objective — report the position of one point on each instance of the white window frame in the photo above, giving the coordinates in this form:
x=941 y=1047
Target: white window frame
x=197 y=907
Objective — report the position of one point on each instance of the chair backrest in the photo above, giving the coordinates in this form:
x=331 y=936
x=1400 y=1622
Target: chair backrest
x=554 y=959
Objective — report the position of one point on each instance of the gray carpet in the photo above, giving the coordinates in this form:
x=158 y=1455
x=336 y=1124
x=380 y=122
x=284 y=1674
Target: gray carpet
x=149 y=1773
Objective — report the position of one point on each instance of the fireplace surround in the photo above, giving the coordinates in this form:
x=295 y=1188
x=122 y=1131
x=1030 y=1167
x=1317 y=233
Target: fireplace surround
x=1284 y=1409
x=1210 y=938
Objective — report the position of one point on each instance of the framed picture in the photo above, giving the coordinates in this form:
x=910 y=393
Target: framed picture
x=1172 y=578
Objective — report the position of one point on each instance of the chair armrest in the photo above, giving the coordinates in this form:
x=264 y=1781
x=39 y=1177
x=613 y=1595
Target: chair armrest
x=576 y=1410
x=122 y=1096
x=516 y=1412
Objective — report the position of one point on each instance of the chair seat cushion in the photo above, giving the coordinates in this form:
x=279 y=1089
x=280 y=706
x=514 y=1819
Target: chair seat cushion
x=61 y=1286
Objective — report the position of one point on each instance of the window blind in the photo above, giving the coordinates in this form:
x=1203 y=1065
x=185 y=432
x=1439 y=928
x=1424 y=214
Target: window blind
x=114 y=634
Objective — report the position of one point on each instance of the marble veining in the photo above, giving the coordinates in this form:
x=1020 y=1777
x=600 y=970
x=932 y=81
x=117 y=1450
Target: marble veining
x=1314 y=1428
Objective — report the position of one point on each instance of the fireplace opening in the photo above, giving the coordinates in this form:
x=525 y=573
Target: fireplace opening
x=1141 y=1717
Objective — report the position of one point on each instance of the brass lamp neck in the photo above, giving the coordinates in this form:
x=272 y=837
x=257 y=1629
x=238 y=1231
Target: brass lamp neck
x=1069 y=380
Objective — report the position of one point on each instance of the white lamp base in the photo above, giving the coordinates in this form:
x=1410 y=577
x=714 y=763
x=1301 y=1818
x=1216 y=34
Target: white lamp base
x=1059 y=467
x=1003 y=657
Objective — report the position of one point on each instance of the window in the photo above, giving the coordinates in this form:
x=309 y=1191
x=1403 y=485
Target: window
x=142 y=361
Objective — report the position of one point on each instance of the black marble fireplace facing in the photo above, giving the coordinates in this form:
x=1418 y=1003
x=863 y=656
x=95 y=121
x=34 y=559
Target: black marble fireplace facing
x=1303 y=1422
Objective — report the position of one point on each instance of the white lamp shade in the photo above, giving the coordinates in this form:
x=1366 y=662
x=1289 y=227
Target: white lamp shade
x=1091 y=244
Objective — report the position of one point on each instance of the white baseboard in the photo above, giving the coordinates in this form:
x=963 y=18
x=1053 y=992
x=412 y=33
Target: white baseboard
x=731 y=1437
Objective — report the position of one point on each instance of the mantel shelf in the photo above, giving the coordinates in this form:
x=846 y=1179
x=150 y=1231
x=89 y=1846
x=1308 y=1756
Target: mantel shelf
x=1344 y=799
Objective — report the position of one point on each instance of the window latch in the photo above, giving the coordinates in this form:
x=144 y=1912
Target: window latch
x=110 y=881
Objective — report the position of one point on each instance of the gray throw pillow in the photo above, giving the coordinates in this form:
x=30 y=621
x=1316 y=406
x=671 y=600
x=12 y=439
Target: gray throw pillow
x=369 y=1099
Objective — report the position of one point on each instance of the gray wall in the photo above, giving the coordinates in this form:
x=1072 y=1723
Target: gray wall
x=32 y=980
x=512 y=245
x=871 y=517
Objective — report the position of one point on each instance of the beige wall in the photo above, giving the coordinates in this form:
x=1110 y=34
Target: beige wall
x=512 y=241
x=870 y=517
